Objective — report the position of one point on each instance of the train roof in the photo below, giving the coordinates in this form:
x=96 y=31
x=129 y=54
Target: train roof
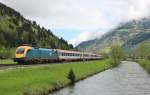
x=24 y=46
x=68 y=51
x=78 y=52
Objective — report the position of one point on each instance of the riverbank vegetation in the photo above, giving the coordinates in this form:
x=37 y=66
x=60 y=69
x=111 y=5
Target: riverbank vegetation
x=143 y=56
x=41 y=80
x=145 y=64
x=116 y=54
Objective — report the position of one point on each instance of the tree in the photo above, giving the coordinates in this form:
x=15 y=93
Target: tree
x=27 y=27
x=116 y=54
x=71 y=76
x=141 y=51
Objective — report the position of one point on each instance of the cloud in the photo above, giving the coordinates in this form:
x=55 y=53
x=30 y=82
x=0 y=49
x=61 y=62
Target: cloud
x=84 y=36
x=81 y=14
x=85 y=14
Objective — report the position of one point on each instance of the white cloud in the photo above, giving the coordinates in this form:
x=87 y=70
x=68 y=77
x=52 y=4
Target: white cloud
x=84 y=36
x=85 y=14
x=81 y=14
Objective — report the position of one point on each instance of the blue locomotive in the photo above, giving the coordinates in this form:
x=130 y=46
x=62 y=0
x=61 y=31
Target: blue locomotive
x=28 y=54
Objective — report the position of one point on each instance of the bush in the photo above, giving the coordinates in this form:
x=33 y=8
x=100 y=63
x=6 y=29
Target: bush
x=145 y=64
x=71 y=76
x=7 y=52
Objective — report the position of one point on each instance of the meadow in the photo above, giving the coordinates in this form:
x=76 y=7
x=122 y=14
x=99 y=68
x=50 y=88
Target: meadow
x=44 y=79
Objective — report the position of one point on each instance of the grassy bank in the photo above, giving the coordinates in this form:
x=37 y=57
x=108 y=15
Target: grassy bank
x=145 y=64
x=7 y=61
x=38 y=80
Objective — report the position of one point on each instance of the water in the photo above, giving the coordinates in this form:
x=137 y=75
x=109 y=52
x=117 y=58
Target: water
x=126 y=79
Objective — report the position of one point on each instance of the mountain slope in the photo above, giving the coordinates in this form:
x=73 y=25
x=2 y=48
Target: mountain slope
x=129 y=34
x=15 y=30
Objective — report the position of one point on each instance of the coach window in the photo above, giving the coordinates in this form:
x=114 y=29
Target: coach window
x=60 y=54
x=63 y=54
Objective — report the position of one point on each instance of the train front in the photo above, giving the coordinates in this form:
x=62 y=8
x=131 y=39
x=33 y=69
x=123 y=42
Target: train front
x=20 y=54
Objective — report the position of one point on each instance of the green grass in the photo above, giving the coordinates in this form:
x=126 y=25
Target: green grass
x=37 y=80
x=7 y=61
x=145 y=64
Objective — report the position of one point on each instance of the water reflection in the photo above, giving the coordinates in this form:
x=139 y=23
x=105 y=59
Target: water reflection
x=127 y=79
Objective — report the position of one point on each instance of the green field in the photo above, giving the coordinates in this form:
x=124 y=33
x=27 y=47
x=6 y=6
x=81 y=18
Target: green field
x=7 y=61
x=37 y=80
x=145 y=64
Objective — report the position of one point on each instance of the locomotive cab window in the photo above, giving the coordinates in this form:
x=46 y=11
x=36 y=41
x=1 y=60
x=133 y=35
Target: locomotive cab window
x=20 y=51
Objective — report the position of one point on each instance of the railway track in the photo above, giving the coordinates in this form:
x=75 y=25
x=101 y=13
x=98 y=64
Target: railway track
x=7 y=66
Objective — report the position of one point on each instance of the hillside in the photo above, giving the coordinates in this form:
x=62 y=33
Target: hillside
x=15 y=30
x=130 y=35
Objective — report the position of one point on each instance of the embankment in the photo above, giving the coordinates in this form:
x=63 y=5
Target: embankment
x=42 y=80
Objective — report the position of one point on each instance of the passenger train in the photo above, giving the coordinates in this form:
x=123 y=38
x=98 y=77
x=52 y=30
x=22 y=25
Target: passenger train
x=28 y=54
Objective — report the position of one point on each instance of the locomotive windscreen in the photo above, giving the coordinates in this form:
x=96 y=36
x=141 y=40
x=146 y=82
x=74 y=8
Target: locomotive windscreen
x=20 y=51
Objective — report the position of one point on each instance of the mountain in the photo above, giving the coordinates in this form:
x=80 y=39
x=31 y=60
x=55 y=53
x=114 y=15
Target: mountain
x=15 y=30
x=130 y=35
x=85 y=44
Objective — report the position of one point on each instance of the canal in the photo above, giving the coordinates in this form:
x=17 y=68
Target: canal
x=126 y=79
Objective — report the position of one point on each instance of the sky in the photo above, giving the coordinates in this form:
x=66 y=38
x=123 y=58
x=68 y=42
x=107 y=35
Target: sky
x=80 y=20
